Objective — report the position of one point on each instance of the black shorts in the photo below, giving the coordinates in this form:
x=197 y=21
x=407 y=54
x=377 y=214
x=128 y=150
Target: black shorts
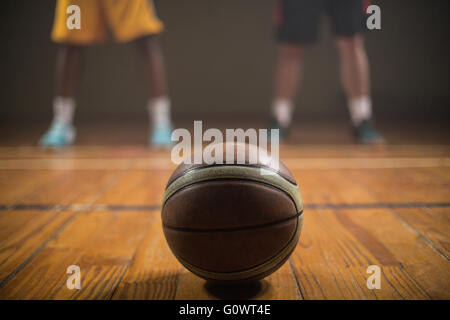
x=297 y=20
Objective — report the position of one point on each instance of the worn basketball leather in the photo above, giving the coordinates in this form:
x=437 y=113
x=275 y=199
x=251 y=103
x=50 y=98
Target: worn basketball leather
x=227 y=222
x=227 y=204
x=230 y=251
x=282 y=170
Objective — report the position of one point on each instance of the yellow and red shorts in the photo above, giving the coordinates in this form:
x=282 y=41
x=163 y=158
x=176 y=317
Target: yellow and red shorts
x=127 y=19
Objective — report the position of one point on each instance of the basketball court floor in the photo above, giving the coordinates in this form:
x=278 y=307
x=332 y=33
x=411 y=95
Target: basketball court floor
x=97 y=205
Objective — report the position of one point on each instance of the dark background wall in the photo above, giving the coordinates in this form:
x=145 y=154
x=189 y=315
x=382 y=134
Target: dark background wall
x=220 y=58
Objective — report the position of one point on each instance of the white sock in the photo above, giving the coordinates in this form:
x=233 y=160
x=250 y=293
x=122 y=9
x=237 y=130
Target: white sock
x=282 y=111
x=360 y=109
x=159 y=110
x=63 y=110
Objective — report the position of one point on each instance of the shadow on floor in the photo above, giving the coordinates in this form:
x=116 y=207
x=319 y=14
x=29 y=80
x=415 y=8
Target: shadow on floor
x=238 y=291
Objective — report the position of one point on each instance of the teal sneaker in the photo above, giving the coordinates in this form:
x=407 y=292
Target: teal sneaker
x=161 y=135
x=58 y=135
x=365 y=133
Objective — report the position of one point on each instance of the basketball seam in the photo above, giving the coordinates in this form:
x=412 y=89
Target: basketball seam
x=232 y=179
x=234 y=174
x=231 y=165
x=251 y=272
x=258 y=226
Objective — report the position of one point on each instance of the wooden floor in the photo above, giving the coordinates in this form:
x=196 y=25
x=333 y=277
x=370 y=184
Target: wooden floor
x=99 y=208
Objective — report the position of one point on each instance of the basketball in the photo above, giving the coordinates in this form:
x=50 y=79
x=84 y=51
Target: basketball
x=234 y=221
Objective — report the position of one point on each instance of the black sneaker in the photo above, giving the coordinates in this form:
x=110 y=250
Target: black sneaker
x=365 y=133
x=283 y=130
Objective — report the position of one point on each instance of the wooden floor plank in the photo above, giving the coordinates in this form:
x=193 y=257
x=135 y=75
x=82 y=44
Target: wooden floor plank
x=358 y=151
x=319 y=187
x=25 y=232
x=22 y=233
x=137 y=187
x=102 y=244
x=153 y=273
x=123 y=254
x=431 y=223
x=279 y=285
x=331 y=262
x=286 y=151
x=403 y=185
x=429 y=269
x=73 y=187
x=16 y=184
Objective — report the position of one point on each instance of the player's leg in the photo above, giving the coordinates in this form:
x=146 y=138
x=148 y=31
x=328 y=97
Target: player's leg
x=296 y=22
x=68 y=66
x=153 y=64
x=158 y=99
x=138 y=21
x=353 y=65
x=62 y=131
x=288 y=72
x=348 y=18
x=354 y=74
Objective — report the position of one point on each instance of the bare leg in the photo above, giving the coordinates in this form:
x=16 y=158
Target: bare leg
x=354 y=66
x=287 y=78
x=354 y=69
x=355 y=76
x=159 y=102
x=288 y=69
x=68 y=70
x=153 y=64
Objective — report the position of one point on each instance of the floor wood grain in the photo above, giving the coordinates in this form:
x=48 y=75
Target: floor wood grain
x=99 y=208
